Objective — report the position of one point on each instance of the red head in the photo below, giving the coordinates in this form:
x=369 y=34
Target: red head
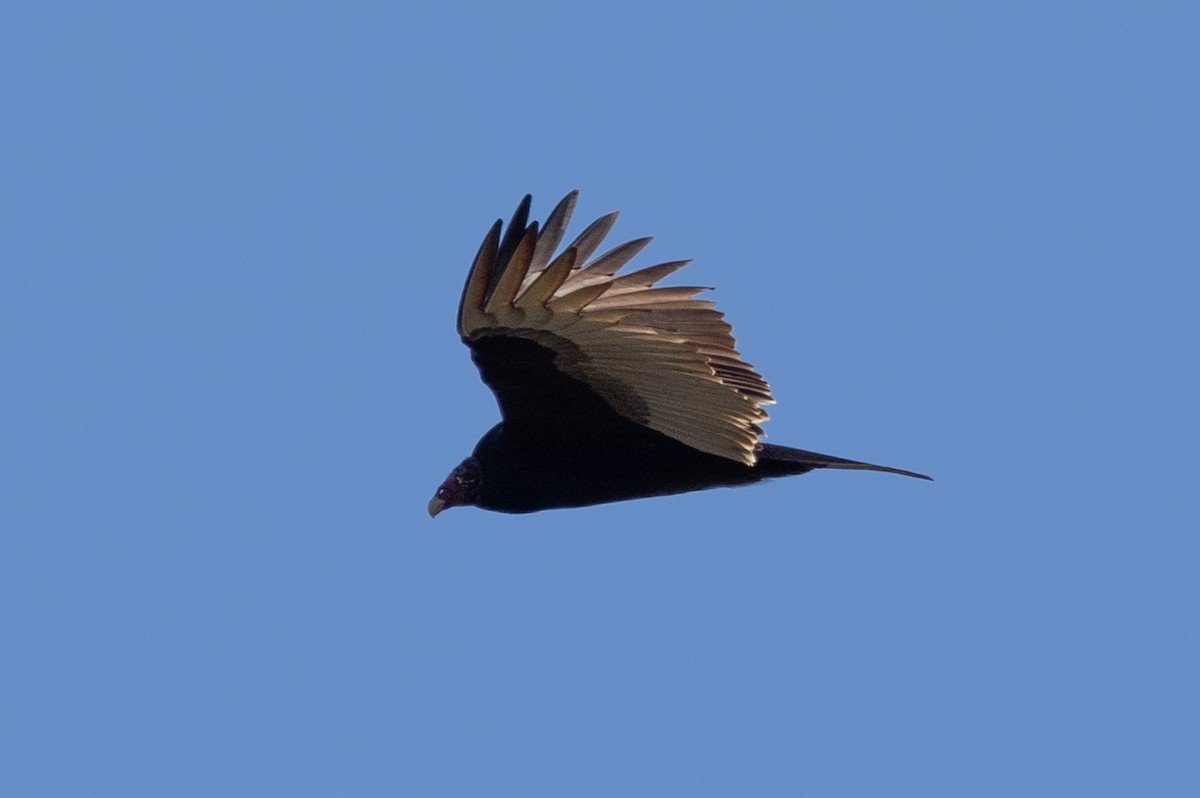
x=461 y=487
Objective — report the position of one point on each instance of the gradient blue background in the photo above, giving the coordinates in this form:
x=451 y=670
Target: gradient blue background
x=955 y=238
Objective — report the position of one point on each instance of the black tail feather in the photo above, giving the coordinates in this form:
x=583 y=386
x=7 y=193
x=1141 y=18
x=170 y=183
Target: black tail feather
x=795 y=461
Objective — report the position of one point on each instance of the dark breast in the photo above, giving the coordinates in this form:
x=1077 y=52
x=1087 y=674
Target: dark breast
x=525 y=469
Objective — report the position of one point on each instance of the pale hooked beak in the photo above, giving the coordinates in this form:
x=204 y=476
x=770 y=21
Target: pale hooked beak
x=436 y=505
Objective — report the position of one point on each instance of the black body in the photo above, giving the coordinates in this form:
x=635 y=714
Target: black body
x=561 y=445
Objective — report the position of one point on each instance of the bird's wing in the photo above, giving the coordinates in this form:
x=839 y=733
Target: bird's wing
x=657 y=356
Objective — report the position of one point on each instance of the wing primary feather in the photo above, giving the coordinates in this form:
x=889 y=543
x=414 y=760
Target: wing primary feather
x=552 y=231
x=587 y=241
x=625 y=302
x=610 y=262
x=513 y=272
x=512 y=237
x=650 y=298
x=548 y=282
x=475 y=290
x=577 y=300
x=649 y=275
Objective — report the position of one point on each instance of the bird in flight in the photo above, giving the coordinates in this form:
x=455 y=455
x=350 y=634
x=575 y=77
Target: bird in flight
x=610 y=387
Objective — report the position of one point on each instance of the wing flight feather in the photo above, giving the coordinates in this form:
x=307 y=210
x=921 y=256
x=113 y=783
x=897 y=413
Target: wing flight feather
x=656 y=355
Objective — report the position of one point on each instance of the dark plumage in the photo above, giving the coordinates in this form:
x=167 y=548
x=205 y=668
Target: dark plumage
x=609 y=388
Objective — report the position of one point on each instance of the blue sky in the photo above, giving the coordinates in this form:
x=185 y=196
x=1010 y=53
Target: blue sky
x=956 y=238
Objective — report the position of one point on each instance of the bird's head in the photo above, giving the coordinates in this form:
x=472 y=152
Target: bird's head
x=461 y=487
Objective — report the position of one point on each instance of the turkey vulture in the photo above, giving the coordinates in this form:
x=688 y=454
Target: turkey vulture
x=609 y=388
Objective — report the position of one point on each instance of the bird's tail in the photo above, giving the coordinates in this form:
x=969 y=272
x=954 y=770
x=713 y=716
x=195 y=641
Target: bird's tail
x=796 y=461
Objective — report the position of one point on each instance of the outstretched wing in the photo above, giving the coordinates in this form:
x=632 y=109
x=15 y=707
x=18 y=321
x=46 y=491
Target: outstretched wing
x=568 y=330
